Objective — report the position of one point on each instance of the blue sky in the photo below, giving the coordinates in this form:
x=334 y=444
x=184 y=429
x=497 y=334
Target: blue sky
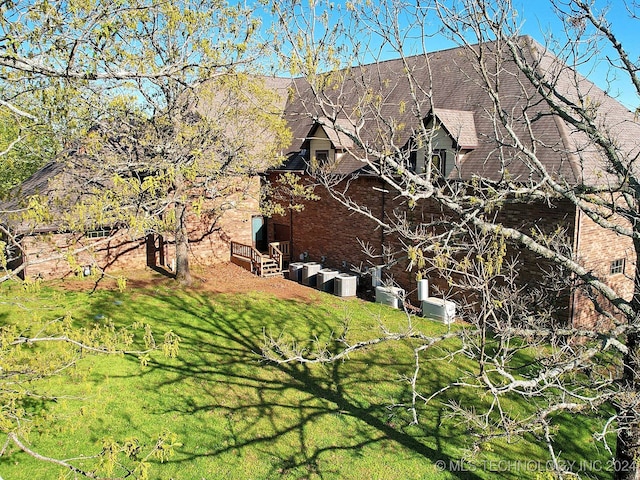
x=537 y=19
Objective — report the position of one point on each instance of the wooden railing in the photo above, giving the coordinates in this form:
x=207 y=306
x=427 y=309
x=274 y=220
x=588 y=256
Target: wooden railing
x=276 y=254
x=249 y=253
x=284 y=248
x=262 y=264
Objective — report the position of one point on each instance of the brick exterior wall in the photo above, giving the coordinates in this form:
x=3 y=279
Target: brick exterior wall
x=557 y=221
x=597 y=249
x=209 y=237
x=326 y=229
x=50 y=256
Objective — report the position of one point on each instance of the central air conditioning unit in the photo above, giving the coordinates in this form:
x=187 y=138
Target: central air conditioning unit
x=345 y=285
x=295 y=271
x=309 y=273
x=439 y=309
x=325 y=279
x=391 y=296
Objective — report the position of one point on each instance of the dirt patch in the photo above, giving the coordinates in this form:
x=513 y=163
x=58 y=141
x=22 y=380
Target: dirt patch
x=219 y=278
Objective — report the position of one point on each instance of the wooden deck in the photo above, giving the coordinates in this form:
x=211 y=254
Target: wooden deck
x=261 y=264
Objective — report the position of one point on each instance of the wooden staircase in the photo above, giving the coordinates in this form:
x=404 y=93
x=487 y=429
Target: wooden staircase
x=270 y=268
x=263 y=265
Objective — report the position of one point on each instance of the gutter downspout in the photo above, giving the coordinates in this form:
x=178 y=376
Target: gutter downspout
x=576 y=243
x=382 y=218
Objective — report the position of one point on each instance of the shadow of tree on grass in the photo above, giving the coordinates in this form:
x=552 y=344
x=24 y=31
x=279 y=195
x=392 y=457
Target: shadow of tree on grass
x=266 y=404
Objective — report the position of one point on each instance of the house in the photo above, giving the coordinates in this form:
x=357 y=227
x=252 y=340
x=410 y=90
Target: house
x=378 y=105
x=222 y=202
x=50 y=249
x=380 y=109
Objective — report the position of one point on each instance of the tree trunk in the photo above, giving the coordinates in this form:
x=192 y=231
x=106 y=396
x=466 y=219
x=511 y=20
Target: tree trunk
x=627 y=461
x=628 y=441
x=183 y=275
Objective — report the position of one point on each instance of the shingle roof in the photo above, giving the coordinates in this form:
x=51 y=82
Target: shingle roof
x=449 y=86
x=450 y=89
x=335 y=132
x=460 y=126
x=51 y=181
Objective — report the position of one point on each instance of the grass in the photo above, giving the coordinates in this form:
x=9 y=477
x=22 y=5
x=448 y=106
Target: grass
x=239 y=418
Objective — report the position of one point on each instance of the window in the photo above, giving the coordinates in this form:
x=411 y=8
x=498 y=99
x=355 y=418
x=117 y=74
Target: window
x=438 y=162
x=413 y=160
x=617 y=266
x=322 y=156
x=102 y=233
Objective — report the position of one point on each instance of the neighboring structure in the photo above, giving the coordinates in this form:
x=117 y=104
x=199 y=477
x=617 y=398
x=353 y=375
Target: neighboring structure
x=464 y=145
x=224 y=205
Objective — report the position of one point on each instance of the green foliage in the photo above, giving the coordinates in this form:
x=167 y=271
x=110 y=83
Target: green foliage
x=3 y=255
x=287 y=193
x=156 y=98
x=24 y=147
x=40 y=345
x=89 y=41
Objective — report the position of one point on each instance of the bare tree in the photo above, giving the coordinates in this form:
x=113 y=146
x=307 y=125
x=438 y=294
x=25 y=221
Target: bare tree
x=516 y=91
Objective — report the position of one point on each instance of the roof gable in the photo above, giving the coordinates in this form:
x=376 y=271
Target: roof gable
x=459 y=125
x=334 y=131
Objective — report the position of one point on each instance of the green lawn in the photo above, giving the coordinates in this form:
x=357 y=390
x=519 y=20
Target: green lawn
x=237 y=417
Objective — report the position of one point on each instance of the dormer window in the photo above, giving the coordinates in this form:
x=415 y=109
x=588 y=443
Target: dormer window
x=419 y=161
x=447 y=136
x=322 y=157
x=327 y=144
x=439 y=162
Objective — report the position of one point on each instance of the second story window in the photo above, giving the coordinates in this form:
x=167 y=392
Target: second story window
x=322 y=156
x=617 y=266
x=438 y=162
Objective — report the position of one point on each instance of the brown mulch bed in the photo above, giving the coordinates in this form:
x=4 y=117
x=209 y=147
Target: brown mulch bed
x=219 y=278
x=230 y=278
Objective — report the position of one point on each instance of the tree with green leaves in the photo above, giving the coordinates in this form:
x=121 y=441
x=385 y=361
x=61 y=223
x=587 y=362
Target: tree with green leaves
x=591 y=369
x=37 y=348
x=25 y=147
x=163 y=96
x=151 y=102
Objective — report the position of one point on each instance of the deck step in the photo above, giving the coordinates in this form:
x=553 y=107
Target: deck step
x=279 y=273
x=254 y=261
x=270 y=268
